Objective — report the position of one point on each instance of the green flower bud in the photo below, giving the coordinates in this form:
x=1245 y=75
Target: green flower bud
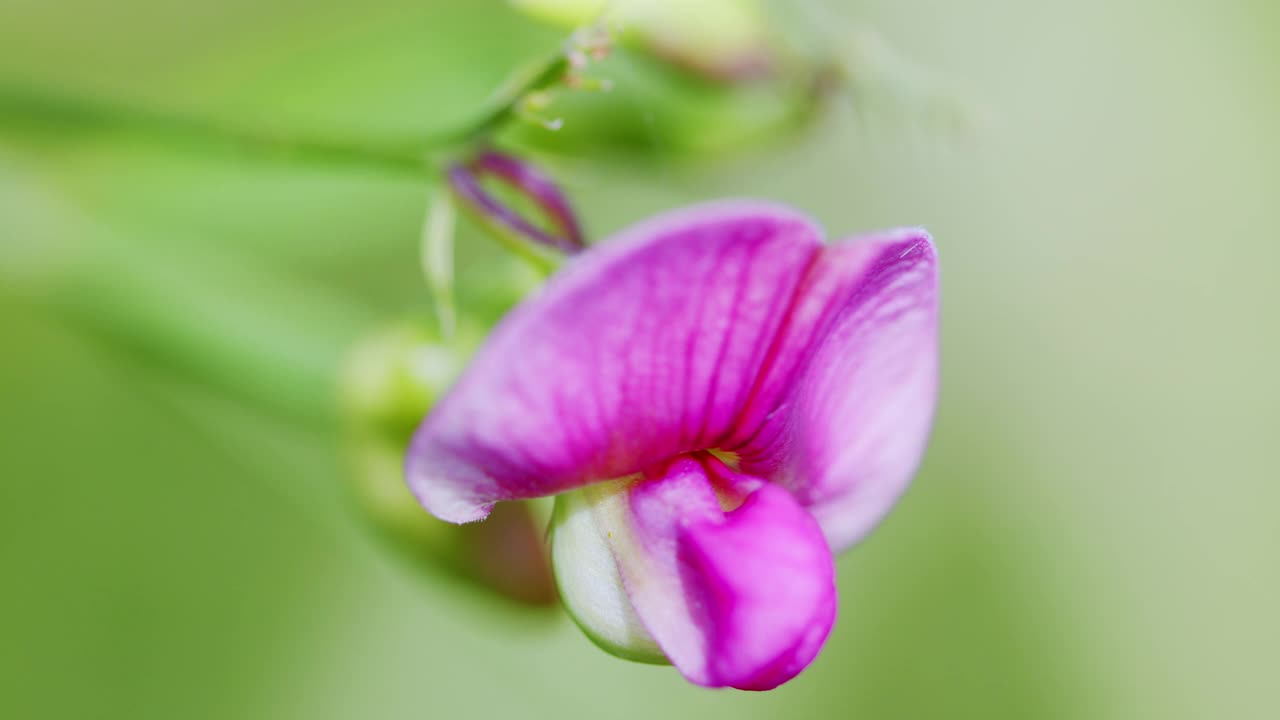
x=392 y=378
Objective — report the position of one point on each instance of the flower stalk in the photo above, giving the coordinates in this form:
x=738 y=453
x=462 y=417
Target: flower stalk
x=42 y=112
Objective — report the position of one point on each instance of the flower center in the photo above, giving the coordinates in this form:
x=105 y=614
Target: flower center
x=731 y=487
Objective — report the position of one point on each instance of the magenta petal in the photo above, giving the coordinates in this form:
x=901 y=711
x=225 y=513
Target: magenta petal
x=641 y=349
x=722 y=339
x=727 y=327
x=766 y=578
x=743 y=599
x=862 y=412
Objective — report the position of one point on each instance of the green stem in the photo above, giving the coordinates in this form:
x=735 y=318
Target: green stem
x=43 y=113
x=506 y=103
x=49 y=114
x=204 y=322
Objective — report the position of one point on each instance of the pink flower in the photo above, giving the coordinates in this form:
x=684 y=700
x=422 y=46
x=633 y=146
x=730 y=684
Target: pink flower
x=721 y=401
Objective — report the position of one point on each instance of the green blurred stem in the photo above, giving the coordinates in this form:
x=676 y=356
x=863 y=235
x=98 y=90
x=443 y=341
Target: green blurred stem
x=244 y=332
x=214 y=321
x=505 y=105
x=44 y=113
x=49 y=114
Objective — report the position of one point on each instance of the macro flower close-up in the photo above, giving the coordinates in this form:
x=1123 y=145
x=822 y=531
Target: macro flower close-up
x=720 y=400
x=634 y=359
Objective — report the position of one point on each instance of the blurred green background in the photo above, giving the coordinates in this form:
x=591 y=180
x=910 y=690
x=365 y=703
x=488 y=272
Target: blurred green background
x=1096 y=528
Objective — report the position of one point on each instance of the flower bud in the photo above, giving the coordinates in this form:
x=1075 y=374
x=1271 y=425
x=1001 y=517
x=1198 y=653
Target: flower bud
x=723 y=40
x=586 y=571
x=394 y=377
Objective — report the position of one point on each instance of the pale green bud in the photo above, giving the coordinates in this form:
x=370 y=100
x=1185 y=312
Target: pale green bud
x=723 y=39
x=392 y=378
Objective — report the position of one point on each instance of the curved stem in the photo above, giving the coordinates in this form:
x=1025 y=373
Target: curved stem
x=181 y=315
x=42 y=112
x=506 y=103
x=46 y=113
